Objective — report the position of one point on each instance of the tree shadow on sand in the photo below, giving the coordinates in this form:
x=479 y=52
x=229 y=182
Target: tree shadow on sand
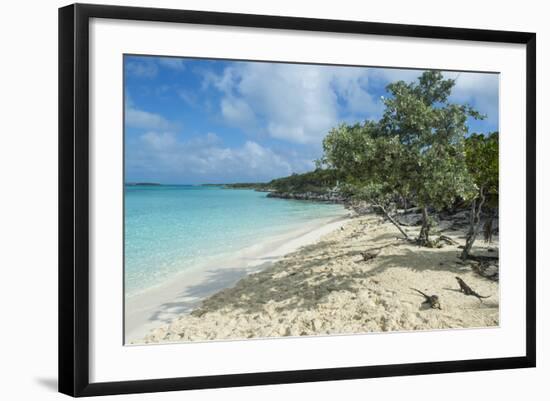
x=303 y=284
x=423 y=259
x=188 y=300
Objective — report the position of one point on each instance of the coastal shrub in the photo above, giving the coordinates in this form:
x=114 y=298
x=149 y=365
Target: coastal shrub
x=482 y=161
x=416 y=151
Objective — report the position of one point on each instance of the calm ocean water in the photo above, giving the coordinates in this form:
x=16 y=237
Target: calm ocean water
x=169 y=229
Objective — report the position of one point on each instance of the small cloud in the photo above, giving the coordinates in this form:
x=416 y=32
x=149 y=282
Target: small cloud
x=148 y=67
x=224 y=83
x=395 y=74
x=189 y=97
x=173 y=63
x=238 y=112
x=145 y=120
x=160 y=141
x=141 y=68
x=480 y=90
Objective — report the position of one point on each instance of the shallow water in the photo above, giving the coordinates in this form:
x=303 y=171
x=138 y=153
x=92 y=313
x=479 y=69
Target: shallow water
x=171 y=229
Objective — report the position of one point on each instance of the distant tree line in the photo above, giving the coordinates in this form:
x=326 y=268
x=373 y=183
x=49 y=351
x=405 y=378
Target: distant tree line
x=318 y=181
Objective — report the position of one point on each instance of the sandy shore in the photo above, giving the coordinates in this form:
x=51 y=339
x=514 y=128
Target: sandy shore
x=327 y=288
x=182 y=294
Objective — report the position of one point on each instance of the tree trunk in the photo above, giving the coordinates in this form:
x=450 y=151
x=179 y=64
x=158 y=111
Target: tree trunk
x=489 y=229
x=424 y=236
x=472 y=219
x=395 y=223
x=404 y=202
x=475 y=219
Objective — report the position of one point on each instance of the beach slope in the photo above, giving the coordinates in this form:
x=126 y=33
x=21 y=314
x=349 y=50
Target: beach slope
x=327 y=288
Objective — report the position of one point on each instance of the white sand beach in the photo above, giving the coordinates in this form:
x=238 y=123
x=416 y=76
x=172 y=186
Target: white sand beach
x=182 y=294
x=322 y=286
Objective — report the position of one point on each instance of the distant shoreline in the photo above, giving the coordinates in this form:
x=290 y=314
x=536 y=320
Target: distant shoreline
x=142 y=184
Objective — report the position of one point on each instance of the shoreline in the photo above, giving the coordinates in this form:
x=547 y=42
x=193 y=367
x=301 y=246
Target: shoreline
x=182 y=293
x=326 y=288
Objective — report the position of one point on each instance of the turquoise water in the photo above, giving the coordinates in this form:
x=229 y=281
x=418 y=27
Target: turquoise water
x=169 y=229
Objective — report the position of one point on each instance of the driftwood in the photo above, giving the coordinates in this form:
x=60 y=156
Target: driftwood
x=391 y=219
x=483 y=258
x=437 y=242
x=484 y=265
x=374 y=252
x=412 y=210
x=447 y=240
x=486 y=271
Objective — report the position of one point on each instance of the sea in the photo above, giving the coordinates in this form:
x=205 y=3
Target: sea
x=173 y=229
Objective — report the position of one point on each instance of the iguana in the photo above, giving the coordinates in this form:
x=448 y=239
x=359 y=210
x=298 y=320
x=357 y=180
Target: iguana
x=433 y=300
x=468 y=291
x=368 y=255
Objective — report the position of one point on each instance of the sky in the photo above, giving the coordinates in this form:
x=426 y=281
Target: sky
x=196 y=121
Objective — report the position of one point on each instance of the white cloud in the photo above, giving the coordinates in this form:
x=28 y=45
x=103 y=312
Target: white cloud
x=300 y=103
x=148 y=67
x=238 y=112
x=205 y=157
x=480 y=90
x=136 y=118
x=145 y=68
x=146 y=120
x=172 y=63
x=297 y=103
x=469 y=83
x=189 y=97
x=159 y=141
x=395 y=74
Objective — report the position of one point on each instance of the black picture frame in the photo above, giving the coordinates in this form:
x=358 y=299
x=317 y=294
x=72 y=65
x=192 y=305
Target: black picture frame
x=74 y=198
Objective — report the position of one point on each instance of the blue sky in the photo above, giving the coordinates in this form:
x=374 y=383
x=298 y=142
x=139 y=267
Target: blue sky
x=193 y=121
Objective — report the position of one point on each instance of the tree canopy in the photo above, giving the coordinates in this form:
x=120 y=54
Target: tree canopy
x=482 y=161
x=416 y=151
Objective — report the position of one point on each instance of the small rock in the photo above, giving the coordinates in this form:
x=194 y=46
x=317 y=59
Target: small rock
x=490 y=270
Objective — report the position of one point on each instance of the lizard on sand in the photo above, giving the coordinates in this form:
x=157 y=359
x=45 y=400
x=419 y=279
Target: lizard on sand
x=433 y=300
x=465 y=288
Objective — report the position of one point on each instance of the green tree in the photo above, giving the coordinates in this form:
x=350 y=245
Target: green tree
x=430 y=131
x=415 y=151
x=366 y=160
x=482 y=161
